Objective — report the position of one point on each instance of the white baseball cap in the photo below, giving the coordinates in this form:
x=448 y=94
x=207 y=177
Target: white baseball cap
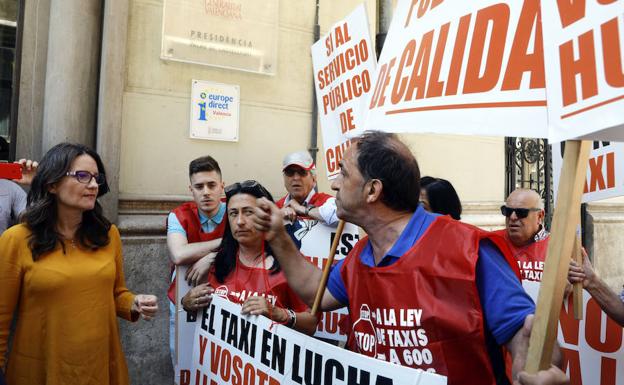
x=299 y=158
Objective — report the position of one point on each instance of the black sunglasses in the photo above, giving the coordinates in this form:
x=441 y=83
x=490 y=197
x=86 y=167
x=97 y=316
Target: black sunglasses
x=248 y=185
x=291 y=171
x=520 y=212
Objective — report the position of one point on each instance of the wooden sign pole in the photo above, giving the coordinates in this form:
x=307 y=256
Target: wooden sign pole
x=560 y=247
x=330 y=260
x=577 y=290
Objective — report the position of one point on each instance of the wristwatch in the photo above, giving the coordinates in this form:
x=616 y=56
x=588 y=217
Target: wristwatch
x=292 y=318
x=307 y=210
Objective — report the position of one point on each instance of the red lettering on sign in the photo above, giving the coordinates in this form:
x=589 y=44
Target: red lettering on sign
x=435 y=84
x=382 y=71
x=520 y=61
x=607 y=371
x=333 y=156
x=597 y=173
x=584 y=66
x=593 y=328
x=330 y=322
x=232 y=369
x=225 y=365
x=237 y=378
x=570 y=11
x=399 y=85
x=611 y=170
x=614 y=73
x=572 y=363
x=215 y=355
x=342 y=35
x=419 y=73
x=203 y=342
x=385 y=82
x=498 y=16
x=421 y=68
x=185 y=377
x=423 y=7
x=458 y=55
x=569 y=325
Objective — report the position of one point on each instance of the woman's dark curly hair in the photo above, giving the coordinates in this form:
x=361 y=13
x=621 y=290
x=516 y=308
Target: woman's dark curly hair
x=41 y=214
x=225 y=261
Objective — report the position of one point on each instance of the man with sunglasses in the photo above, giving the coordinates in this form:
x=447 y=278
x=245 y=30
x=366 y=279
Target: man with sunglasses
x=524 y=232
x=302 y=199
x=195 y=228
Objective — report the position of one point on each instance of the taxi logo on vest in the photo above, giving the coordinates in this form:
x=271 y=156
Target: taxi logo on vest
x=222 y=291
x=365 y=333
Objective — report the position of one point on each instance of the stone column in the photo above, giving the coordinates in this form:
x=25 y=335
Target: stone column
x=72 y=72
x=32 y=79
x=110 y=101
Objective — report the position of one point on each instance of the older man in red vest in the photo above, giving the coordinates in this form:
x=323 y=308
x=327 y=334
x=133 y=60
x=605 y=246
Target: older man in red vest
x=525 y=233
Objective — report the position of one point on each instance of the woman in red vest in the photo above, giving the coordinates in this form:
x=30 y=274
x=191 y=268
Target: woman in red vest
x=245 y=271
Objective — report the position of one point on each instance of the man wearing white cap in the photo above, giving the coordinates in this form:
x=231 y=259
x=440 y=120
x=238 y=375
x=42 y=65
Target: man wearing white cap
x=302 y=199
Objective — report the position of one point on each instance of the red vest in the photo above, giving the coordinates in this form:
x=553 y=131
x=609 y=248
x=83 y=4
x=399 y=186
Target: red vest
x=244 y=282
x=530 y=257
x=317 y=200
x=188 y=217
x=423 y=311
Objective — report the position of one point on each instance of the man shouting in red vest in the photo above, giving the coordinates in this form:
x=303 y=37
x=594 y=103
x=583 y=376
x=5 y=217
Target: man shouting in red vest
x=422 y=290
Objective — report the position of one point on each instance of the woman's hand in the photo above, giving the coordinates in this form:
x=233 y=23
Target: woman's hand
x=198 y=297
x=260 y=306
x=146 y=305
x=29 y=169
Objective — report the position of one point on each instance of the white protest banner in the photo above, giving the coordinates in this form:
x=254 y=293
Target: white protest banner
x=583 y=45
x=462 y=67
x=185 y=331
x=234 y=349
x=344 y=63
x=315 y=239
x=592 y=347
x=605 y=170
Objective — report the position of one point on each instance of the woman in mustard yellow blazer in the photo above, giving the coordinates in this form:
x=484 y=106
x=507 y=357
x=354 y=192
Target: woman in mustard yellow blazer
x=62 y=274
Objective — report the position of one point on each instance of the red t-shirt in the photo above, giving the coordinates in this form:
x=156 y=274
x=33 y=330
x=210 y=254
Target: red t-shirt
x=244 y=282
x=531 y=258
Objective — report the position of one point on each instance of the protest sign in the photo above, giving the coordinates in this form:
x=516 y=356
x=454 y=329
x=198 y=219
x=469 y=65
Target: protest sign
x=185 y=330
x=583 y=45
x=462 y=67
x=605 y=170
x=592 y=347
x=344 y=63
x=316 y=239
x=233 y=349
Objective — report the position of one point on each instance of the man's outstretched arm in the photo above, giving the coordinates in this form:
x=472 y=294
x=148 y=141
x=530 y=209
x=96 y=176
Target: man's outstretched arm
x=607 y=299
x=303 y=277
